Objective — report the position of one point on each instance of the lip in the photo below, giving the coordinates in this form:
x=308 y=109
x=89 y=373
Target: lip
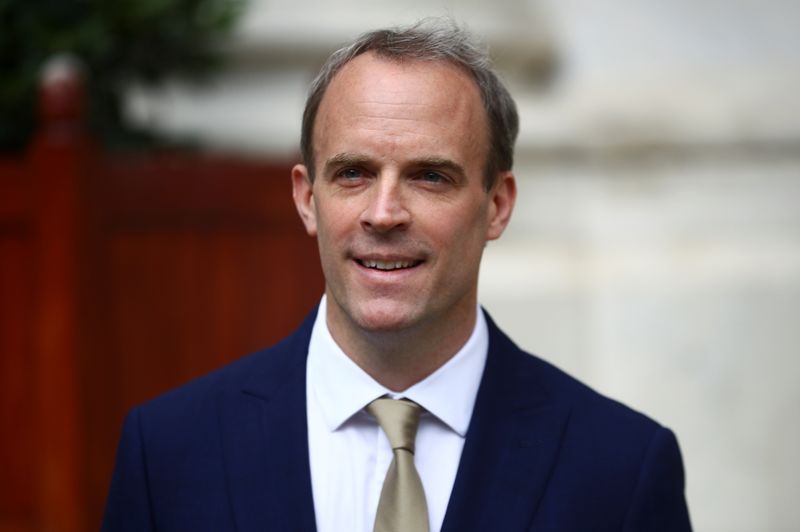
x=387 y=264
x=384 y=266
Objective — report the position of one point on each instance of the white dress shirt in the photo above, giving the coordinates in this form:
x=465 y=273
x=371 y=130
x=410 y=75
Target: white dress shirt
x=349 y=453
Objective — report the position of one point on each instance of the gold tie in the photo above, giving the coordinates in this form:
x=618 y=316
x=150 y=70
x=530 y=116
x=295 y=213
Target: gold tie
x=402 y=506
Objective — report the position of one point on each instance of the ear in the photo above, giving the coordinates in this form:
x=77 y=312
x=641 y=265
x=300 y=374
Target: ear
x=501 y=204
x=303 y=194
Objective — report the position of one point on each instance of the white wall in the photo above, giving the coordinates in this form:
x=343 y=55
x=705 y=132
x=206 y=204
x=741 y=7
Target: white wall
x=673 y=286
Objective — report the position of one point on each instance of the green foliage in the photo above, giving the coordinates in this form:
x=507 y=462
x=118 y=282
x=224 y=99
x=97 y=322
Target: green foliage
x=119 y=41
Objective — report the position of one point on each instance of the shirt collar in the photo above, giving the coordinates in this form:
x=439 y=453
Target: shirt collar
x=342 y=388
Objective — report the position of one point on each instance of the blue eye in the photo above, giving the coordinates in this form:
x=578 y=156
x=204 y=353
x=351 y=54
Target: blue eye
x=350 y=173
x=432 y=177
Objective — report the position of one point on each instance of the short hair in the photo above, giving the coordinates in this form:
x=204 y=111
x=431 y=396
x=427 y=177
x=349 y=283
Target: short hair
x=427 y=40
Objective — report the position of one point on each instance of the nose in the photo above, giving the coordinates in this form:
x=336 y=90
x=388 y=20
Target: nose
x=386 y=209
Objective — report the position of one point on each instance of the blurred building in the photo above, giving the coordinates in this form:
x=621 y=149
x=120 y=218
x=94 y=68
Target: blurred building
x=655 y=250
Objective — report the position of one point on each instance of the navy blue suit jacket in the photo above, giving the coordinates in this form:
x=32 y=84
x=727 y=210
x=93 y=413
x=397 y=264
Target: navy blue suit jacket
x=543 y=453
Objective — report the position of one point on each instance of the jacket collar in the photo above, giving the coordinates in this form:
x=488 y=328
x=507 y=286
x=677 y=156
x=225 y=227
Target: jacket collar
x=510 y=449
x=265 y=440
x=511 y=444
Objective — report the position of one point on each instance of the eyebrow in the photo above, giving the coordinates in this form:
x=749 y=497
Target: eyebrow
x=344 y=159
x=438 y=163
x=434 y=163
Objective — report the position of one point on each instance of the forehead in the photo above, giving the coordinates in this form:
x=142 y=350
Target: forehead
x=434 y=102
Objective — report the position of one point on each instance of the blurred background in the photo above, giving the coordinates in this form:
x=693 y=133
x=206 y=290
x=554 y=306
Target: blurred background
x=147 y=233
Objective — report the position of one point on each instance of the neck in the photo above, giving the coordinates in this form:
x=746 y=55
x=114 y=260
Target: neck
x=398 y=359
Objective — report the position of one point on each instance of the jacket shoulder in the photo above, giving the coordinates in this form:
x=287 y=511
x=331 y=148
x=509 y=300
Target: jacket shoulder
x=620 y=467
x=596 y=423
x=262 y=372
x=591 y=414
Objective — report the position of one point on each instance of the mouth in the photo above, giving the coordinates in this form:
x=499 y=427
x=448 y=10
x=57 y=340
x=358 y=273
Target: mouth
x=388 y=265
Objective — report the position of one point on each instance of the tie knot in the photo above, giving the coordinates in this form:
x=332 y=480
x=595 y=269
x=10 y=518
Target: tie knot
x=399 y=419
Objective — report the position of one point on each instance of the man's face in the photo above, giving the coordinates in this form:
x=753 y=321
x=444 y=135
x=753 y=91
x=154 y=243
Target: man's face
x=398 y=204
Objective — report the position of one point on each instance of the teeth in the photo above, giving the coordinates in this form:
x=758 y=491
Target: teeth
x=384 y=265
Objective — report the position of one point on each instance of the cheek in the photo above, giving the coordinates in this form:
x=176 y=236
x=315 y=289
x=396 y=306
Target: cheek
x=463 y=237
x=473 y=222
x=334 y=228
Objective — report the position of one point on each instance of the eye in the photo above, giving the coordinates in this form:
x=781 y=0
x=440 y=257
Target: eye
x=350 y=173
x=429 y=176
x=350 y=176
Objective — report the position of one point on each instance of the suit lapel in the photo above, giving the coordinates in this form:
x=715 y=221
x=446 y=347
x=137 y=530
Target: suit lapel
x=511 y=445
x=510 y=449
x=265 y=442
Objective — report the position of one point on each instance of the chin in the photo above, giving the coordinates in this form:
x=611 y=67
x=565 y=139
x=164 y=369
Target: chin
x=385 y=316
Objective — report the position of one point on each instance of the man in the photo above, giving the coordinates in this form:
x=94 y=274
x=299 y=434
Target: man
x=398 y=404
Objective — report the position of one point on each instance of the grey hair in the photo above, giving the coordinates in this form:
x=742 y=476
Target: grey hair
x=427 y=40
